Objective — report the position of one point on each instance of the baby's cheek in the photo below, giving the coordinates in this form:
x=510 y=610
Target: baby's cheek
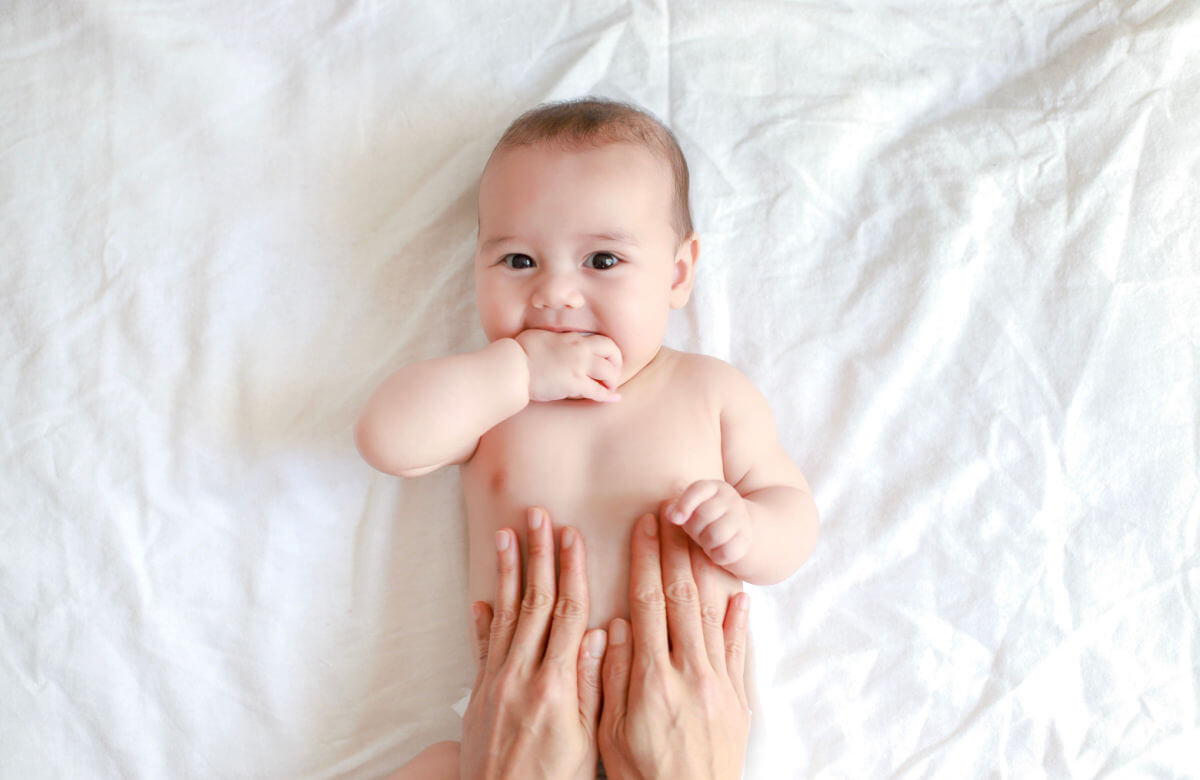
x=496 y=325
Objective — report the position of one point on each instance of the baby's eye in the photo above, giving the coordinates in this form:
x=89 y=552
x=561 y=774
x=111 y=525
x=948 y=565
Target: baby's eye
x=517 y=262
x=601 y=261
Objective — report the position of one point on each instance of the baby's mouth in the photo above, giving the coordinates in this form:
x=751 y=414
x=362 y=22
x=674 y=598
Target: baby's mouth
x=554 y=329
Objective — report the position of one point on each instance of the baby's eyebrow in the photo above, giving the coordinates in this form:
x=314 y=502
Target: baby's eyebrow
x=614 y=235
x=491 y=242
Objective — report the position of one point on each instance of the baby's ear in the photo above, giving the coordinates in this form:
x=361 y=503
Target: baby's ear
x=683 y=270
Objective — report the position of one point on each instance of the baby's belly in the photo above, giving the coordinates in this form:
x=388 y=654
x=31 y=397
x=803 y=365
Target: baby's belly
x=598 y=485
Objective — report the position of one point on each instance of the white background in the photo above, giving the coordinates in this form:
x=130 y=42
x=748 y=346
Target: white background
x=955 y=245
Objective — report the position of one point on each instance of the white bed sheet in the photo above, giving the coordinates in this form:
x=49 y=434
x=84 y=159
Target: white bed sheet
x=954 y=244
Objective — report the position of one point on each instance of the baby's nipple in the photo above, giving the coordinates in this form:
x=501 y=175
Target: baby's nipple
x=498 y=482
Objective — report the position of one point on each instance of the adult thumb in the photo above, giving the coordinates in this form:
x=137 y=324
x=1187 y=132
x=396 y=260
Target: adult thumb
x=591 y=653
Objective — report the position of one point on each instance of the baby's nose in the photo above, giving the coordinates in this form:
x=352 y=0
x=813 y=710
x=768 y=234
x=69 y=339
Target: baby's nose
x=557 y=291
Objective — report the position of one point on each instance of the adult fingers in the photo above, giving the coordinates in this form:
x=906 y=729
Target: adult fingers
x=508 y=592
x=591 y=654
x=571 y=608
x=713 y=600
x=615 y=675
x=530 y=635
x=646 y=601
x=682 y=596
x=736 y=620
x=482 y=618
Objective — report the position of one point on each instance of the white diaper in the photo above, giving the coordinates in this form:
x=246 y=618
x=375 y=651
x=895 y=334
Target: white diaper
x=460 y=706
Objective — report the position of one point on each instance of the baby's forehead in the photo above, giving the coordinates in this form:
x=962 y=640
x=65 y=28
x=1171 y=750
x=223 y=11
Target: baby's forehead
x=630 y=177
x=639 y=167
x=557 y=147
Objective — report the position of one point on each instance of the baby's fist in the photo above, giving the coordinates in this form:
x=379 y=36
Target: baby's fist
x=715 y=516
x=571 y=365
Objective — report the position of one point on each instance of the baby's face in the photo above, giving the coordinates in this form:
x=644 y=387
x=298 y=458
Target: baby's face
x=581 y=240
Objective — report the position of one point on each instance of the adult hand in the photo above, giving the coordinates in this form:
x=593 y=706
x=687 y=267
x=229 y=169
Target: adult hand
x=675 y=710
x=536 y=700
x=571 y=365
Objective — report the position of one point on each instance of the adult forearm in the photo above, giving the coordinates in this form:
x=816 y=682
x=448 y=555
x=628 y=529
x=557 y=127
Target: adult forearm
x=428 y=414
x=784 y=520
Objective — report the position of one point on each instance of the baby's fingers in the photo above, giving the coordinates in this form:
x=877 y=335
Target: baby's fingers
x=731 y=551
x=712 y=535
x=695 y=496
x=598 y=392
x=605 y=373
x=605 y=348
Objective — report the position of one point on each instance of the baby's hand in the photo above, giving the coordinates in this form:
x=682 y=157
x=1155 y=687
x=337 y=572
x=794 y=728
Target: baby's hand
x=571 y=365
x=715 y=516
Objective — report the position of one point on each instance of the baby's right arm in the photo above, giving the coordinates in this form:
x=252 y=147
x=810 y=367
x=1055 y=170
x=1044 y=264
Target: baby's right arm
x=431 y=414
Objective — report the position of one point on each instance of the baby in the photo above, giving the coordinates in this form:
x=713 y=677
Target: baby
x=585 y=245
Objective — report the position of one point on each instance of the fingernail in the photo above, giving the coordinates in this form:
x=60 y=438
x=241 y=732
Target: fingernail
x=650 y=525
x=475 y=611
x=677 y=518
x=596 y=643
x=501 y=541
x=743 y=601
x=619 y=633
x=535 y=519
x=568 y=537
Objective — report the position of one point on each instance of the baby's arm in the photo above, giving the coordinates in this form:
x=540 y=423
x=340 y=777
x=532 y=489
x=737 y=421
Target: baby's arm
x=760 y=523
x=431 y=414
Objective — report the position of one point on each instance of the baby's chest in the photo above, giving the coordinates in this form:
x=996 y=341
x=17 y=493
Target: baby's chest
x=580 y=457
x=596 y=468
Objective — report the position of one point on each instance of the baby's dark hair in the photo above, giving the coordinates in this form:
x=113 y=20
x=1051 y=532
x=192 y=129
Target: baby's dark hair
x=597 y=121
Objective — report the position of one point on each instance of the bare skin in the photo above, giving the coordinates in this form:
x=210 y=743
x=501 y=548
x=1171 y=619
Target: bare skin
x=575 y=405
x=674 y=698
x=675 y=701
x=598 y=467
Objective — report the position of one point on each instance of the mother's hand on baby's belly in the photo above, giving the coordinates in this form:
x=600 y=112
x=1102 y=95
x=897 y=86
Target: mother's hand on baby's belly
x=675 y=702
x=536 y=700
x=672 y=679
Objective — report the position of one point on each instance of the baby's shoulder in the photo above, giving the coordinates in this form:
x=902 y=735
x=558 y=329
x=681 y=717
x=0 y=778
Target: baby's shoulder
x=708 y=372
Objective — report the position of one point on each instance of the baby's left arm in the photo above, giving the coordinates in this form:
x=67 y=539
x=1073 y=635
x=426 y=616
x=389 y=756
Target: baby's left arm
x=760 y=523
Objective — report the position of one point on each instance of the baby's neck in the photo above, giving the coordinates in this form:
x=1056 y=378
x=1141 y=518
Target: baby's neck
x=651 y=375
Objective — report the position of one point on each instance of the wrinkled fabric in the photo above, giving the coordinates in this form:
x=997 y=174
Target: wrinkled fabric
x=955 y=245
